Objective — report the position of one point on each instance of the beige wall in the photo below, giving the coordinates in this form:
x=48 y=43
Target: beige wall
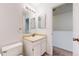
x=10 y=16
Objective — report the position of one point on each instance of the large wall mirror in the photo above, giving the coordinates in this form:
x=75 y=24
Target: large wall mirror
x=42 y=21
x=29 y=20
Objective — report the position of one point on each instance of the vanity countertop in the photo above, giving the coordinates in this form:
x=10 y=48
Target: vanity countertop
x=34 y=38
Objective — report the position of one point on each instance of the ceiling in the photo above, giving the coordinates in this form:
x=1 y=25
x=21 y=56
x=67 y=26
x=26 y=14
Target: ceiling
x=42 y=7
x=68 y=7
x=39 y=6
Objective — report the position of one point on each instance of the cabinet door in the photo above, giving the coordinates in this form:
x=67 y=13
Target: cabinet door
x=28 y=48
x=37 y=49
x=43 y=46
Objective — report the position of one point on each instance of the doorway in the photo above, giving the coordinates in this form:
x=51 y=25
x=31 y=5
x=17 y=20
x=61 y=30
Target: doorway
x=63 y=30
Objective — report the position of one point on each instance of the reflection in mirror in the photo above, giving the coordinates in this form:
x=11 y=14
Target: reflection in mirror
x=39 y=22
x=33 y=23
x=42 y=22
x=27 y=25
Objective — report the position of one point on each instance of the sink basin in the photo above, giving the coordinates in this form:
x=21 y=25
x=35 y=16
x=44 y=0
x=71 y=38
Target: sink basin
x=34 y=37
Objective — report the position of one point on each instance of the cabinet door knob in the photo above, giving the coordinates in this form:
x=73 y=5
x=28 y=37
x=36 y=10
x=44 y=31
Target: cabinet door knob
x=76 y=39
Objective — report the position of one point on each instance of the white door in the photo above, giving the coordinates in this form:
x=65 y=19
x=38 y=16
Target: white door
x=76 y=28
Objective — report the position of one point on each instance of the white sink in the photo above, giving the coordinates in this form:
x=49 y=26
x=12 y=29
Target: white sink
x=34 y=37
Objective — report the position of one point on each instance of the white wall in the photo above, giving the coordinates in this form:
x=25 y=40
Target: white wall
x=63 y=21
x=63 y=39
x=49 y=31
x=10 y=16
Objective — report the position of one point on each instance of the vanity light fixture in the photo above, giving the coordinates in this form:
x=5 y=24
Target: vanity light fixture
x=29 y=9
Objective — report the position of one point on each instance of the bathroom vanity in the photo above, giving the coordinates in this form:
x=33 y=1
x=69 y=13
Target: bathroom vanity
x=34 y=45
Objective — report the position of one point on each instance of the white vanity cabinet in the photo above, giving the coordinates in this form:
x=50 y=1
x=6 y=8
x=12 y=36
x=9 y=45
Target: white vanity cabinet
x=34 y=48
x=43 y=46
